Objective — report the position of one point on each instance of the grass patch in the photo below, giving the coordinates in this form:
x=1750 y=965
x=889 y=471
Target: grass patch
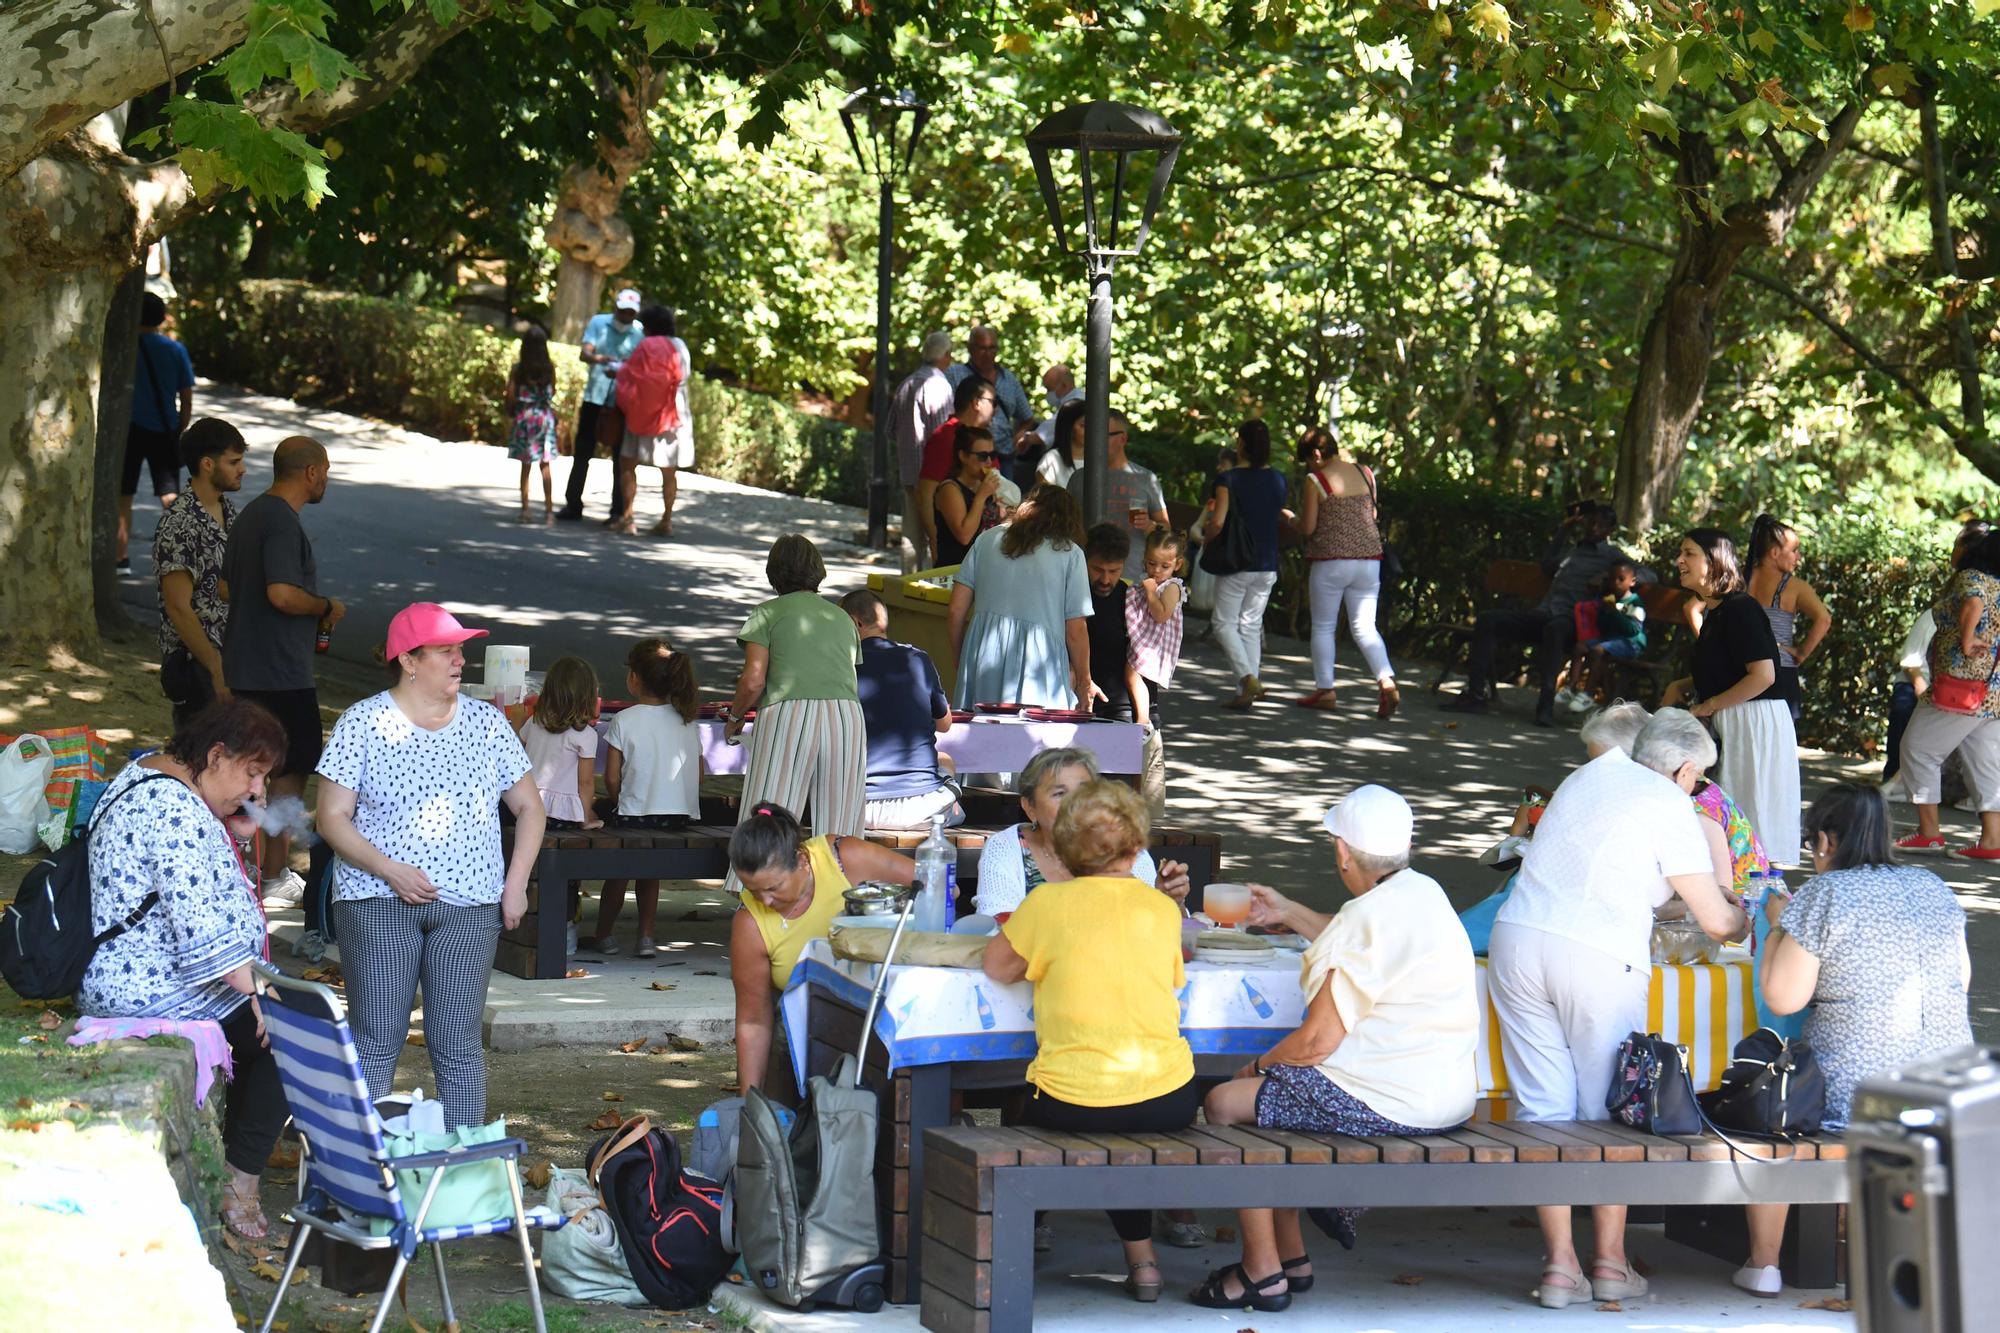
x=42 y=1077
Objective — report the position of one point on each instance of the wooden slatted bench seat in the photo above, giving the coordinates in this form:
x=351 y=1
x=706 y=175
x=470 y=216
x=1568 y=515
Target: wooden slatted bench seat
x=983 y=1186
x=701 y=851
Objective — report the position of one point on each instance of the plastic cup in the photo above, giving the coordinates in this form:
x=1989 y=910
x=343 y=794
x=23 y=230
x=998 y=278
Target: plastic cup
x=1226 y=904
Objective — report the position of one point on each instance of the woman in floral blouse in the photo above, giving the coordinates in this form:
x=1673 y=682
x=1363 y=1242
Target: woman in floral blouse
x=166 y=829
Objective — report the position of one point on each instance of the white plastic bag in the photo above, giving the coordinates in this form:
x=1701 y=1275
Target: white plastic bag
x=25 y=767
x=584 y=1260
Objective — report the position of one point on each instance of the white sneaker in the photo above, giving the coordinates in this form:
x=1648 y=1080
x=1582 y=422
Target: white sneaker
x=569 y=940
x=287 y=890
x=1759 y=1281
x=646 y=947
x=311 y=946
x=1582 y=703
x=1565 y=698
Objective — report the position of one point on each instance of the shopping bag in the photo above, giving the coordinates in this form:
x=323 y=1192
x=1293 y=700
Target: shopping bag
x=474 y=1192
x=25 y=766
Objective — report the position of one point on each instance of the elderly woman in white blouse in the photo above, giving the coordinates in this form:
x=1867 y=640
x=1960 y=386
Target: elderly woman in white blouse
x=1570 y=963
x=1021 y=857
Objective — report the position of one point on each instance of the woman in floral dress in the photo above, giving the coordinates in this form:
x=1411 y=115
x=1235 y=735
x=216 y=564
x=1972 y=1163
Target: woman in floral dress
x=531 y=393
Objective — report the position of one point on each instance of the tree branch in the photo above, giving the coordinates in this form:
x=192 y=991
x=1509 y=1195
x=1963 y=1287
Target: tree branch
x=384 y=65
x=1796 y=185
x=63 y=62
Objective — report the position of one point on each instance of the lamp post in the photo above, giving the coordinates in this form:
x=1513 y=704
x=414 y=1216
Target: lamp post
x=885 y=152
x=1105 y=137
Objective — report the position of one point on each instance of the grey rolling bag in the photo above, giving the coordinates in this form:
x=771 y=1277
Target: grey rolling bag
x=805 y=1201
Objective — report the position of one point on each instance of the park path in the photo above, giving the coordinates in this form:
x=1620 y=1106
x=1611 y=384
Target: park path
x=408 y=517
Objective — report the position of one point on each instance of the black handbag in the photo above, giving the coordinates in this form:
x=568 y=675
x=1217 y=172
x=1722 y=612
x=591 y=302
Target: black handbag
x=1772 y=1089
x=1651 y=1089
x=1233 y=550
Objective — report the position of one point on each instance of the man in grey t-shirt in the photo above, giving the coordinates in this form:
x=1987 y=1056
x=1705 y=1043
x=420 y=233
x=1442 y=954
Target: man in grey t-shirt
x=1132 y=496
x=275 y=613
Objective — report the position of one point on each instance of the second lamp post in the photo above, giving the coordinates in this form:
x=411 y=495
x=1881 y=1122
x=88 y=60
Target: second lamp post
x=890 y=123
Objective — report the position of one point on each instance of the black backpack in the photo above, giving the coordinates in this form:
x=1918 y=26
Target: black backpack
x=669 y=1220
x=45 y=940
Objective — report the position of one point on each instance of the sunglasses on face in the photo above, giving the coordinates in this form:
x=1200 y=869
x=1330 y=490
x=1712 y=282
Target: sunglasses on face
x=984 y=455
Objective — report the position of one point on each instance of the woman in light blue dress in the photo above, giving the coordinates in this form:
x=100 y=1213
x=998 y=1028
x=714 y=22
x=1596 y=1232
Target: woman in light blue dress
x=1018 y=606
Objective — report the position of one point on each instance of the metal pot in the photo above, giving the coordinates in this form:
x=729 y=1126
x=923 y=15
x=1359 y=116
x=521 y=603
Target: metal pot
x=872 y=898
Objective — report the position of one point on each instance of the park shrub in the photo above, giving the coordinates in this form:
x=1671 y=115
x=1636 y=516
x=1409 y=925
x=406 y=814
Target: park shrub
x=432 y=371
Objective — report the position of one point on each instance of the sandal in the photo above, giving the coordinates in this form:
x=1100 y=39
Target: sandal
x=1142 y=1290
x=1211 y=1295
x=1390 y=697
x=664 y=528
x=244 y=1215
x=1317 y=699
x=1297 y=1284
x=1629 y=1287
x=1559 y=1298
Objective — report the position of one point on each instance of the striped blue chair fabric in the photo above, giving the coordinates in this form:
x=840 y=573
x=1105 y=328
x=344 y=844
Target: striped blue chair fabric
x=348 y=1179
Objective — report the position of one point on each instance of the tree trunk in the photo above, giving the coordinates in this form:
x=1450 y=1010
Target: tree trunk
x=594 y=241
x=1672 y=374
x=73 y=222
x=1944 y=256
x=114 y=419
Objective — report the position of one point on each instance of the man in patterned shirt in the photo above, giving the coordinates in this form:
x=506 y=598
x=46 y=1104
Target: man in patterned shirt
x=187 y=556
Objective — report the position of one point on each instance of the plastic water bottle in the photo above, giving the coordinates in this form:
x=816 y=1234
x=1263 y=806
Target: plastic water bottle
x=937 y=879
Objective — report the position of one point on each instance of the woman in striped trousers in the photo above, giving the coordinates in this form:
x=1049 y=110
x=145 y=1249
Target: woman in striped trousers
x=809 y=747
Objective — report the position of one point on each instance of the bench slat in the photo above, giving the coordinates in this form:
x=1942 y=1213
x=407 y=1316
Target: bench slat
x=1396 y=1151
x=1168 y=1150
x=1351 y=1151
x=1256 y=1151
x=1657 y=1149
x=1123 y=1151
x=1210 y=1150
x=1616 y=1148
x=953 y=1224
x=1441 y=1150
x=1075 y=1150
x=945 y=1313
x=968 y=1279
x=1701 y=1148
x=1572 y=1146
x=1485 y=1149
x=1297 y=1147
x=1527 y=1147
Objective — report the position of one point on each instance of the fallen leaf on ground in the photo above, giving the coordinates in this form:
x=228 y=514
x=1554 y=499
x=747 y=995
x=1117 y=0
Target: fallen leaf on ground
x=630 y=1046
x=1833 y=1303
x=609 y=1120
x=1523 y=1223
x=24 y=1126
x=1408 y=1279
x=1451 y=726
x=577 y=972
x=730 y=1085
x=33 y=1037
x=684 y=1044
x=700 y=973
x=265 y=1271
x=1225 y=1234
x=415 y=1039
x=24 y=1102
x=48 y=1022
x=537 y=1174
x=284 y=1156
x=614 y=1096
x=1611 y=1307
x=661 y=985
x=325 y=976
x=230 y=1242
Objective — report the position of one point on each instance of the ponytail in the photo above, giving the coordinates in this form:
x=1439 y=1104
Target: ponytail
x=667 y=674
x=769 y=838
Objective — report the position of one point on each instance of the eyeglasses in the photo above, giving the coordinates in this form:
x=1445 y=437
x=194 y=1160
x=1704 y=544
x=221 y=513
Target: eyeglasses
x=984 y=455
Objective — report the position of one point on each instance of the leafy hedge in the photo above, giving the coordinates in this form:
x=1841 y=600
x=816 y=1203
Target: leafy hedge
x=432 y=371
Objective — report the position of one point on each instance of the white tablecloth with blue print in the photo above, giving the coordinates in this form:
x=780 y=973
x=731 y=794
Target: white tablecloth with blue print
x=943 y=1015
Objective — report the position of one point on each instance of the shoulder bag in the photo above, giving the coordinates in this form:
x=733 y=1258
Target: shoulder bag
x=1233 y=550
x=1956 y=694
x=1650 y=1087
x=1773 y=1088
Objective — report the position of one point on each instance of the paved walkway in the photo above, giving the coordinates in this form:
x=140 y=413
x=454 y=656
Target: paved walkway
x=409 y=517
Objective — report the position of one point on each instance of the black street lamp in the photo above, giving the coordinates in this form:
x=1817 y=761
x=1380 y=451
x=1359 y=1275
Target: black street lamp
x=885 y=153
x=1105 y=137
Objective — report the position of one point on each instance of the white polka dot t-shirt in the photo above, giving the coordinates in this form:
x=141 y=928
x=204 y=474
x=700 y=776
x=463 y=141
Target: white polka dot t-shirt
x=430 y=799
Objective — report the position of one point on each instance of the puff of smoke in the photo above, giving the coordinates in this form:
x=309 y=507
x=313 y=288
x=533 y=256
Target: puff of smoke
x=285 y=816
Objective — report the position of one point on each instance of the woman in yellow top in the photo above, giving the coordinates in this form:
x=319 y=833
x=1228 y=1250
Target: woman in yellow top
x=1104 y=952
x=791 y=894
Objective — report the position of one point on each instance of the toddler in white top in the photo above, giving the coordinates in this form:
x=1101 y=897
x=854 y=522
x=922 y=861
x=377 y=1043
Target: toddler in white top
x=653 y=772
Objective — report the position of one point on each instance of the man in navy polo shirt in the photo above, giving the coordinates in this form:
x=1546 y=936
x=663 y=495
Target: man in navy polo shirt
x=906 y=711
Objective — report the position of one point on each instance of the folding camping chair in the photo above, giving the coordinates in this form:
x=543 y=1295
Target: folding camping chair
x=346 y=1175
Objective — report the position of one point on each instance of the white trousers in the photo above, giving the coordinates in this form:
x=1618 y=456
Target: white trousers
x=1563 y=1007
x=1238 y=618
x=1759 y=770
x=1358 y=583
x=1930 y=739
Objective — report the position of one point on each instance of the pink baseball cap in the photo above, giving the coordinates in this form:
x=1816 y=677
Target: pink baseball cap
x=423 y=624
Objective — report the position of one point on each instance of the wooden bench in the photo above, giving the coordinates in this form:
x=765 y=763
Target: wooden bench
x=1506 y=583
x=982 y=1188
x=535 y=949
x=1646 y=677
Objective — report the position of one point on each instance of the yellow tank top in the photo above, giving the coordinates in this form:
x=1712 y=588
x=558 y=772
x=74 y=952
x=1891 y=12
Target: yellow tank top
x=785 y=940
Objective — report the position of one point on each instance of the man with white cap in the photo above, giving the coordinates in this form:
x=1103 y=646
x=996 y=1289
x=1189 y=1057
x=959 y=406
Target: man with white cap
x=1387 y=1043
x=607 y=341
